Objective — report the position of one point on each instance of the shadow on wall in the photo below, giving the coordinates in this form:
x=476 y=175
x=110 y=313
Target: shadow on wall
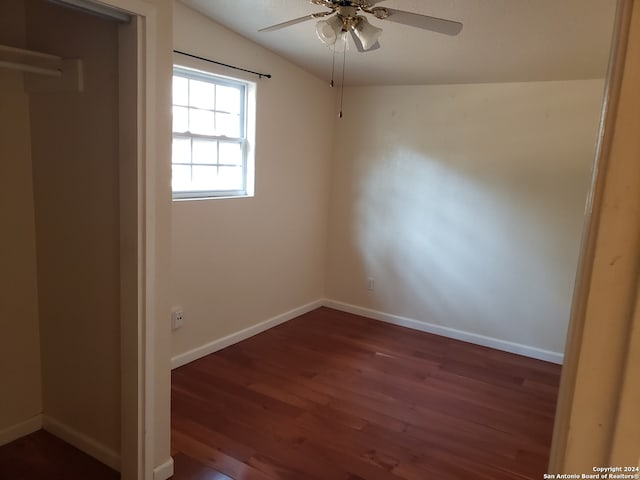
x=467 y=204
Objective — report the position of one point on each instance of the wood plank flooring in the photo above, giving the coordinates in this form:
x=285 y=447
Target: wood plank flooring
x=42 y=456
x=335 y=396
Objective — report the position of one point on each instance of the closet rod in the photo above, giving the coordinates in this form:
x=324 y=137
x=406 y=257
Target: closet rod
x=29 y=53
x=30 y=61
x=31 y=69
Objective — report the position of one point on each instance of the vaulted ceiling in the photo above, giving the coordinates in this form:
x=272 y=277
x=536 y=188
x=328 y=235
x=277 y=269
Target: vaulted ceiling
x=502 y=40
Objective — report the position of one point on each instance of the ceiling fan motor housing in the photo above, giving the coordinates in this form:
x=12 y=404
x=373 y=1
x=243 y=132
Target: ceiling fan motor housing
x=347 y=11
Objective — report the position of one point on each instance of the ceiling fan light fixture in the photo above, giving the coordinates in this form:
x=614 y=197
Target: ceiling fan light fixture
x=329 y=30
x=366 y=33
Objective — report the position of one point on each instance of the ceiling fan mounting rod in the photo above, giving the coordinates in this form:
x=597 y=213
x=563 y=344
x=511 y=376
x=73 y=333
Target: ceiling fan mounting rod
x=348 y=8
x=355 y=3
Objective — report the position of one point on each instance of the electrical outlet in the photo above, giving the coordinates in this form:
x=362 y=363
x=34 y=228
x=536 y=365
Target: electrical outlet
x=371 y=283
x=177 y=319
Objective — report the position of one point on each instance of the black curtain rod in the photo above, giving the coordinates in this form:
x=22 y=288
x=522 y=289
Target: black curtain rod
x=223 y=64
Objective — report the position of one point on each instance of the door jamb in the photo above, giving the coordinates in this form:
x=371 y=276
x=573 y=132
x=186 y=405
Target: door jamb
x=138 y=250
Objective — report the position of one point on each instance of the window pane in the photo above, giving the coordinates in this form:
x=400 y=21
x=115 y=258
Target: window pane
x=181 y=152
x=180 y=119
x=230 y=178
x=180 y=91
x=204 y=178
x=202 y=122
x=205 y=151
x=230 y=153
x=228 y=99
x=207 y=178
x=202 y=94
x=228 y=124
x=180 y=178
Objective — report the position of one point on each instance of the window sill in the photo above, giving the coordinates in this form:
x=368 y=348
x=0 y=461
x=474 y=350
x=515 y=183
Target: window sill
x=221 y=197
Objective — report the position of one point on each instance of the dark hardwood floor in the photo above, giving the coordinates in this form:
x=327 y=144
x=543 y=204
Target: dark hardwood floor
x=42 y=456
x=331 y=395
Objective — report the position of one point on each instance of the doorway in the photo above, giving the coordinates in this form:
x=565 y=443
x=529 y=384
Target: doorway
x=73 y=180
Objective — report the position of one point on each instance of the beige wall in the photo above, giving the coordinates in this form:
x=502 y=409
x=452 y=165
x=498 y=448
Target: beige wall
x=21 y=397
x=75 y=174
x=465 y=203
x=238 y=262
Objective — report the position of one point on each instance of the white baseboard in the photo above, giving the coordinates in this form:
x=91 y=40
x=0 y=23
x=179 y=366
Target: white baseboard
x=491 y=342
x=21 y=429
x=164 y=470
x=82 y=442
x=211 y=347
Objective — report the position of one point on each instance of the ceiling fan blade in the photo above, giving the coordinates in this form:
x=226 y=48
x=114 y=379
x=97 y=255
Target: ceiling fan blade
x=435 y=24
x=359 y=45
x=294 y=21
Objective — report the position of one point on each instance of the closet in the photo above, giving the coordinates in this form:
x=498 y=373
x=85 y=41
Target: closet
x=60 y=279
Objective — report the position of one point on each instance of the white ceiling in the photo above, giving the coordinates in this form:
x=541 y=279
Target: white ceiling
x=502 y=40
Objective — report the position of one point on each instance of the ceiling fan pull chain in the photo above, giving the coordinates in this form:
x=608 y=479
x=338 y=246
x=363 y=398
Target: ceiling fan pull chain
x=344 y=65
x=333 y=68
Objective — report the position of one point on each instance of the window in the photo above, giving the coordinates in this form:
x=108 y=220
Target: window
x=210 y=147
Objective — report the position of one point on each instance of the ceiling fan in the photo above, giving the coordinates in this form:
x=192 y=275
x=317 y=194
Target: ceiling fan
x=365 y=35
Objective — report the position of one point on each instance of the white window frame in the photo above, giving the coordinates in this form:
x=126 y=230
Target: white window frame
x=190 y=73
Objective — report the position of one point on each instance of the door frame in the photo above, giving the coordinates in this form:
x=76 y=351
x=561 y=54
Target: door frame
x=137 y=58
x=596 y=417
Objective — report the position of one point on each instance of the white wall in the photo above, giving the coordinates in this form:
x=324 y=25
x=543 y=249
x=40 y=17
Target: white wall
x=465 y=203
x=237 y=262
x=21 y=397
